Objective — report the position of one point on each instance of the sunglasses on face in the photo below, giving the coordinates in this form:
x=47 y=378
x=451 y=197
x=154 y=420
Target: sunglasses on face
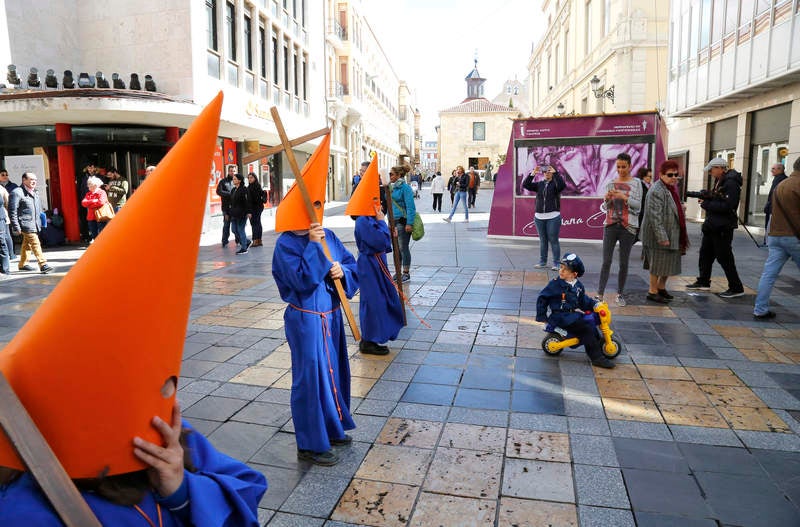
x=671 y=174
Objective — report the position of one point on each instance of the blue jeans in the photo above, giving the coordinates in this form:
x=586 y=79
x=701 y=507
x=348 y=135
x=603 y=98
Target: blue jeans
x=5 y=261
x=460 y=196
x=781 y=248
x=548 y=234
x=404 y=239
x=238 y=225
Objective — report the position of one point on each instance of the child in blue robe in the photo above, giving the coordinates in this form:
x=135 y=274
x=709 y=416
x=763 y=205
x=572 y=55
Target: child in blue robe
x=216 y=491
x=314 y=329
x=380 y=309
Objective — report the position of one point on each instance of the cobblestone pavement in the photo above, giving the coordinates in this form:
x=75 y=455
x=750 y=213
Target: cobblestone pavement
x=467 y=422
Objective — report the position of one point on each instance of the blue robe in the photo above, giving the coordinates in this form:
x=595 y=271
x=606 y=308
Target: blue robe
x=380 y=310
x=223 y=492
x=317 y=343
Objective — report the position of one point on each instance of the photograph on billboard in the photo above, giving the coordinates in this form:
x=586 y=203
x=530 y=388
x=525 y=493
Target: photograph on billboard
x=586 y=168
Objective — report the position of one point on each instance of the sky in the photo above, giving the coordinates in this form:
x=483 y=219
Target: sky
x=432 y=44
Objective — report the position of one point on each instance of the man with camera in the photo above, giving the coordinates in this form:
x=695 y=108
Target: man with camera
x=720 y=204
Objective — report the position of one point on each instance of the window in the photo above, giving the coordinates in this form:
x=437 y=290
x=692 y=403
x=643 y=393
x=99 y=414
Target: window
x=230 y=22
x=587 y=27
x=262 y=50
x=296 y=72
x=248 y=44
x=606 y=17
x=305 y=77
x=479 y=131
x=705 y=23
x=274 y=58
x=566 y=56
x=731 y=15
x=211 y=25
x=286 y=66
x=717 y=21
x=556 y=63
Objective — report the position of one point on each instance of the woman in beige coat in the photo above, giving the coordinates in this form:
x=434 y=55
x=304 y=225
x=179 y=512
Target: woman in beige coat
x=663 y=232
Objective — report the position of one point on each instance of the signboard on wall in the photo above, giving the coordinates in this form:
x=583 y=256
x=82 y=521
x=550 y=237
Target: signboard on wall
x=217 y=173
x=18 y=165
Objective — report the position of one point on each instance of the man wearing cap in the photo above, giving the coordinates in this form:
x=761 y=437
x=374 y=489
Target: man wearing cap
x=783 y=239
x=721 y=221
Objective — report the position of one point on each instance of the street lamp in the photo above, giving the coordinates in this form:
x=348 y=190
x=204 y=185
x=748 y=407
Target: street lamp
x=599 y=91
x=560 y=108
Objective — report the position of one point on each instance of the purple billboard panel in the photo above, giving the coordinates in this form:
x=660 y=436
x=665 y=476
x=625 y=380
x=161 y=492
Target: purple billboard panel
x=581 y=218
x=583 y=150
x=586 y=168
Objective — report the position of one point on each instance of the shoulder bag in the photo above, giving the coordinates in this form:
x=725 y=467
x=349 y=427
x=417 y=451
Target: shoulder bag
x=105 y=213
x=417 y=228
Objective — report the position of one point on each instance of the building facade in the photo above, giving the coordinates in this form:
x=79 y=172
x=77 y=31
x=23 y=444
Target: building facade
x=429 y=158
x=475 y=132
x=623 y=45
x=514 y=94
x=734 y=92
x=370 y=109
x=260 y=54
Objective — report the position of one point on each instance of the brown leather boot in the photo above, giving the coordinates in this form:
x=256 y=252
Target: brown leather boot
x=257 y=243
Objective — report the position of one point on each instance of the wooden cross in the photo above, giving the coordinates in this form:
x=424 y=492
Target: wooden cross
x=301 y=185
x=42 y=462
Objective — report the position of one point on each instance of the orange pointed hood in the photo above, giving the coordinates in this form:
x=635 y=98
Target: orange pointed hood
x=291 y=214
x=92 y=379
x=367 y=194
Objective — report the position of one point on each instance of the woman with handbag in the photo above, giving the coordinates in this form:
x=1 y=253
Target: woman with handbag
x=255 y=202
x=404 y=214
x=97 y=207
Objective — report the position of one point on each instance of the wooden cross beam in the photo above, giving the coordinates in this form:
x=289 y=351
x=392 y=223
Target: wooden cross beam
x=279 y=148
x=40 y=459
x=301 y=185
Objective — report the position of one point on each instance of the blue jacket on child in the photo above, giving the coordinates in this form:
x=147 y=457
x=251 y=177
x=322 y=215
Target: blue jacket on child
x=562 y=299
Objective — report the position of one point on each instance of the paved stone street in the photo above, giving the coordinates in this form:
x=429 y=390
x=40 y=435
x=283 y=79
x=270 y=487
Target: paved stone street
x=467 y=422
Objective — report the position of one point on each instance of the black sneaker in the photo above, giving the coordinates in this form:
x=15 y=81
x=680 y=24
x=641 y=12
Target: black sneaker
x=406 y=277
x=249 y=243
x=765 y=316
x=45 y=269
x=241 y=251
x=371 y=348
x=697 y=284
x=324 y=459
x=731 y=294
x=346 y=440
x=224 y=244
x=603 y=362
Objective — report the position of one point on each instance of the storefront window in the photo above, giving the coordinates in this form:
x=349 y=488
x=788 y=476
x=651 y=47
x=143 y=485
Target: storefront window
x=770 y=138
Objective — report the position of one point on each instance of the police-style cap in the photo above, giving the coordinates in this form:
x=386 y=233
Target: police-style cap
x=716 y=162
x=573 y=262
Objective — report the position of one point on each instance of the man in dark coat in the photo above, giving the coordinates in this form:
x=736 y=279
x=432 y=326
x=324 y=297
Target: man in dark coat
x=25 y=210
x=224 y=190
x=721 y=220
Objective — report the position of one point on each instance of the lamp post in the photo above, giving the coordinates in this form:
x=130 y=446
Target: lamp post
x=600 y=91
x=560 y=108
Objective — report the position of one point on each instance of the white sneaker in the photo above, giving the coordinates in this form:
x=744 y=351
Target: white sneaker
x=555 y=268
x=598 y=298
x=448 y=220
x=621 y=300
x=540 y=266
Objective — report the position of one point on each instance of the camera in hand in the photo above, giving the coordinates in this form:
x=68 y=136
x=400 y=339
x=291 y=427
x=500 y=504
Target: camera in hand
x=700 y=194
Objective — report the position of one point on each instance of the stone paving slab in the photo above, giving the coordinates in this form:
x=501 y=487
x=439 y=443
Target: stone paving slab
x=469 y=423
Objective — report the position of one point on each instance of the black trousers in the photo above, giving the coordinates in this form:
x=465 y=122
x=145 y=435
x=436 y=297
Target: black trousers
x=585 y=331
x=716 y=245
x=472 y=193
x=437 y=202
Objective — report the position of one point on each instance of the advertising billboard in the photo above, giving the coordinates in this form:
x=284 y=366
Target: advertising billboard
x=583 y=150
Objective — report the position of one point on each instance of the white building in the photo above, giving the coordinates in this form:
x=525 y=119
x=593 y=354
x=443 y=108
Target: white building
x=429 y=157
x=623 y=45
x=370 y=110
x=734 y=92
x=260 y=53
